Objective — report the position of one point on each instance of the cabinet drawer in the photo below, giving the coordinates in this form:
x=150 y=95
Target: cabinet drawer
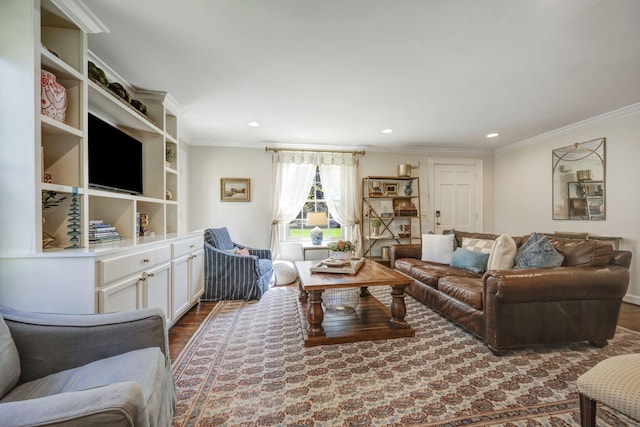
x=186 y=246
x=110 y=269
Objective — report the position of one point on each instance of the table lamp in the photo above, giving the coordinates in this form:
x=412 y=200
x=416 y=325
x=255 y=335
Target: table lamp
x=316 y=218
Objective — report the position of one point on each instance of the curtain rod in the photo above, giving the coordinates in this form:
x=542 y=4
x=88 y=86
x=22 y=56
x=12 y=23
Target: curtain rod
x=275 y=150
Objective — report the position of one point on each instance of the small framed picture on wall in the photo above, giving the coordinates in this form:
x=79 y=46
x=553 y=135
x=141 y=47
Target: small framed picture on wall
x=235 y=189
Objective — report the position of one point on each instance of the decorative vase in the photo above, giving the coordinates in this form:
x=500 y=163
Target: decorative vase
x=341 y=255
x=53 y=97
x=408 y=189
x=376 y=231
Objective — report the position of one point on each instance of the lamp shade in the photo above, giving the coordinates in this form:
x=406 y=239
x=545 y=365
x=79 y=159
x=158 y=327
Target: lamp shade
x=317 y=218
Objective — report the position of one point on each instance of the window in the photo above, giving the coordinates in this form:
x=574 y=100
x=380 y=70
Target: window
x=298 y=228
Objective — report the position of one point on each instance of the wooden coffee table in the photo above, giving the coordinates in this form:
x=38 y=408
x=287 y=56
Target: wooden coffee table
x=371 y=319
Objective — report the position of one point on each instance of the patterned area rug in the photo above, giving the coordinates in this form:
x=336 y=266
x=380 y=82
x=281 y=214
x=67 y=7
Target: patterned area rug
x=247 y=365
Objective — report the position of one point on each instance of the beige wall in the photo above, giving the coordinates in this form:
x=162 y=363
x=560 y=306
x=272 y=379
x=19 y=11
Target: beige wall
x=516 y=187
x=249 y=222
x=523 y=186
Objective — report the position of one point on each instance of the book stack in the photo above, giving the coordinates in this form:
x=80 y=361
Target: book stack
x=99 y=232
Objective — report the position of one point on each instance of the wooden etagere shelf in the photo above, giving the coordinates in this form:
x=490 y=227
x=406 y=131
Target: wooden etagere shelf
x=390 y=212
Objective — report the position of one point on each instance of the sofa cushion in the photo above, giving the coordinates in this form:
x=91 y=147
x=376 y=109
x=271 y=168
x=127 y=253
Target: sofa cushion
x=585 y=253
x=429 y=274
x=145 y=367
x=464 y=289
x=477 y=245
x=538 y=252
x=9 y=360
x=503 y=253
x=437 y=248
x=470 y=260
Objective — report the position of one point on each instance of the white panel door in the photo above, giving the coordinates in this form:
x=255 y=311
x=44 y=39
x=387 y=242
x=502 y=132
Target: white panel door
x=455 y=197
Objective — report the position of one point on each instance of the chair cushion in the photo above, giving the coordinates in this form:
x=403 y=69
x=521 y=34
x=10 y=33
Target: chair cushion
x=145 y=366
x=464 y=289
x=616 y=383
x=221 y=238
x=9 y=360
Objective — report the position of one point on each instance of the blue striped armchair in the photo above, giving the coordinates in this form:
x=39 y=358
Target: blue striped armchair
x=229 y=275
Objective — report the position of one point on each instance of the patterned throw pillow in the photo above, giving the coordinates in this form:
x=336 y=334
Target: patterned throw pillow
x=538 y=253
x=477 y=245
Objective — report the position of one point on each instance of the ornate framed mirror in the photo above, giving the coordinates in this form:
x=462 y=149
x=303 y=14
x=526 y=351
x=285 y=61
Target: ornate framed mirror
x=578 y=174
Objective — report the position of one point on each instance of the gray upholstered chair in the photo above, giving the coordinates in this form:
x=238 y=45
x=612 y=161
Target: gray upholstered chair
x=231 y=275
x=79 y=370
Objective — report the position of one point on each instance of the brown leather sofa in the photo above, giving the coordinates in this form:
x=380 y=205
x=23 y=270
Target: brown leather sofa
x=579 y=301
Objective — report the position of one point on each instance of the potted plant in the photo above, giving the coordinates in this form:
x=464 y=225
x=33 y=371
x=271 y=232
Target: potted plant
x=375 y=224
x=170 y=156
x=342 y=249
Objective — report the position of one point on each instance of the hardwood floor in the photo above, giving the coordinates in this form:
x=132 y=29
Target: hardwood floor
x=180 y=334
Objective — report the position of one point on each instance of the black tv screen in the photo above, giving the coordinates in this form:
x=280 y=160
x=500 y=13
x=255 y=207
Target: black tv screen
x=115 y=158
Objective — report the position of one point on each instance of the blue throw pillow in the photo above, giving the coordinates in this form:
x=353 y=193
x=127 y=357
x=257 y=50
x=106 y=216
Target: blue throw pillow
x=475 y=262
x=538 y=253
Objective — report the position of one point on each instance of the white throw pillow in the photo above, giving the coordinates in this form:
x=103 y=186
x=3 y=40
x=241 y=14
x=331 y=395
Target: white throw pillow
x=483 y=246
x=503 y=253
x=437 y=248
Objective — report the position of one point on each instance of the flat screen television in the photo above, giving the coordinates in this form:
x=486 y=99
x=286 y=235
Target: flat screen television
x=115 y=158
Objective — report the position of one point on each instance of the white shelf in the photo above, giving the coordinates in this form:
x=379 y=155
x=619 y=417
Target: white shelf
x=57 y=66
x=54 y=127
x=59 y=188
x=112 y=108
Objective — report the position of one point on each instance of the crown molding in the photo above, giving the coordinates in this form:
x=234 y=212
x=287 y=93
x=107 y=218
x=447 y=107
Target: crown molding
x=81 y=15
x=620 y=112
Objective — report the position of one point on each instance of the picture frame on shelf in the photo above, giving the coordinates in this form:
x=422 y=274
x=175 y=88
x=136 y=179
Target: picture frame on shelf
x=391 y=189
x=235 y=189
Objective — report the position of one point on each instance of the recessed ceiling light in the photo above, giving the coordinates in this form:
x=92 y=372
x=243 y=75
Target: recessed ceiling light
x=387 y=130
x=492 y=135
x=254 y=124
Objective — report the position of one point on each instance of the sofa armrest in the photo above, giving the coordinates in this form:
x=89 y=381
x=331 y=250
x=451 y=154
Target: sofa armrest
x=120 y=404
x=556 y=284
x=404 y=251
x=49 y=343
x=622 y=258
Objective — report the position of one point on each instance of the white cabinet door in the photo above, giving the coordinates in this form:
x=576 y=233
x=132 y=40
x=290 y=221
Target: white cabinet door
x=180 y=295
x=196 y=275
x=157 y=286
x=123 y=295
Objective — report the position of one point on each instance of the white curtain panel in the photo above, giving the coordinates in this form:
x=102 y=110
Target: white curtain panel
x=339 y=176
x=292 y=177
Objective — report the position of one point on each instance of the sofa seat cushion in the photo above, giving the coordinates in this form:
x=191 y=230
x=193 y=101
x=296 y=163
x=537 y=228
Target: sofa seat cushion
x=464 y=289
x=145 y=367
x=404 y=265
x=430 y=273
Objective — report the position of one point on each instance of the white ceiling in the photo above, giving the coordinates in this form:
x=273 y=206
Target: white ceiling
x=334 y=73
